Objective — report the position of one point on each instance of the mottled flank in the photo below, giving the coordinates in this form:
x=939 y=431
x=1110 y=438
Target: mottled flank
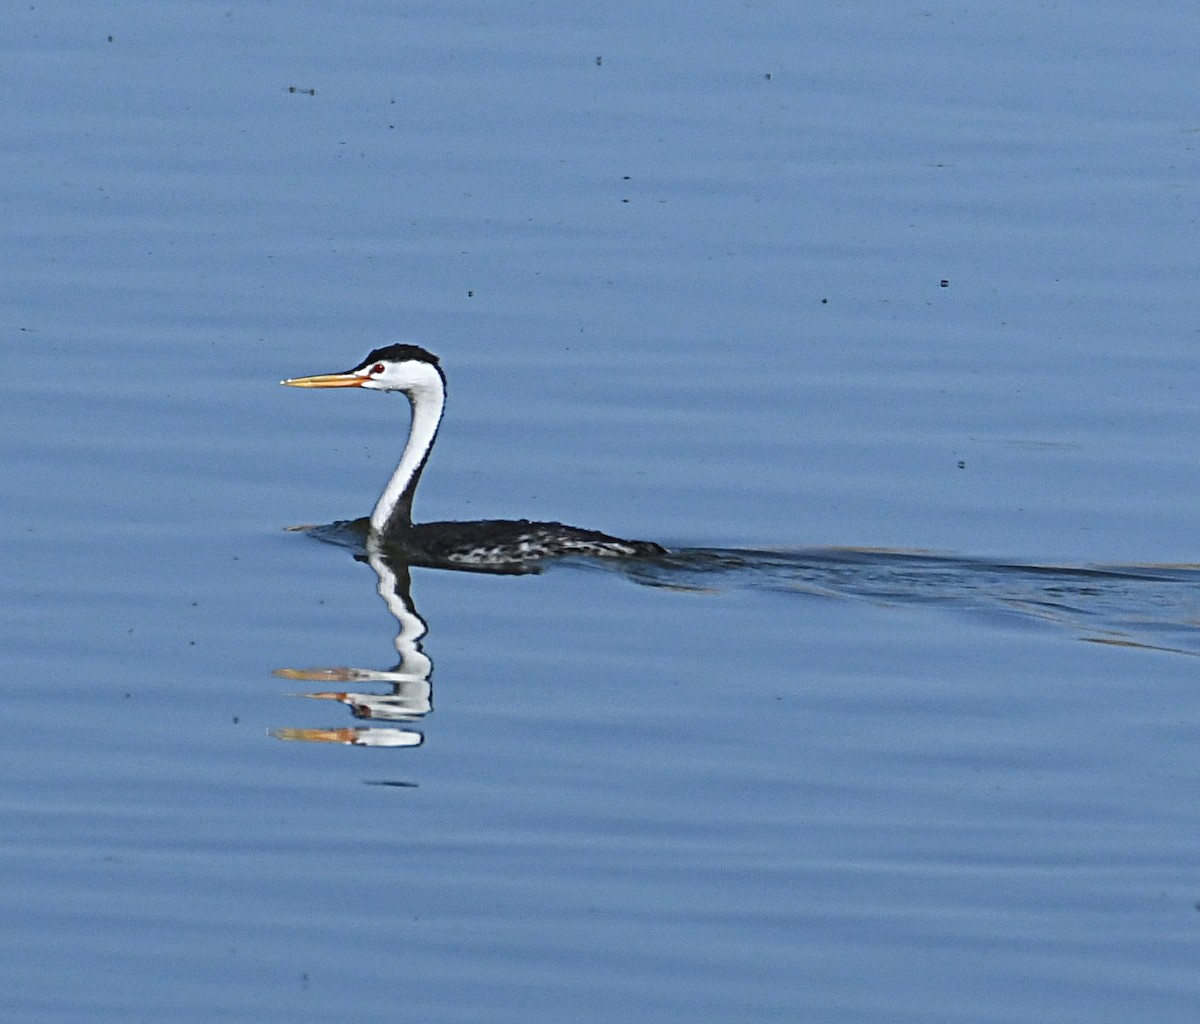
x=493 y=543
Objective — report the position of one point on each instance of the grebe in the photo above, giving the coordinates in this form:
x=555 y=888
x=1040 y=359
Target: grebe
x=496 y=544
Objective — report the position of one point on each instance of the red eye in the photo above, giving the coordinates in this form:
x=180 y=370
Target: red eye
x=377 y=368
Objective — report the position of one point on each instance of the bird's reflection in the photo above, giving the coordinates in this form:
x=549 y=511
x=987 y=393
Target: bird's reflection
x=408 y=696
x=1149 y=607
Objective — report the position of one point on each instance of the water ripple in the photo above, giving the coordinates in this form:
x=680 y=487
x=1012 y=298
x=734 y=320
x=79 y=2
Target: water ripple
x=1150 y=606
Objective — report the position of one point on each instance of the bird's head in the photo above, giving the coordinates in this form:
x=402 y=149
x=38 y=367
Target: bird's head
x=406 y=368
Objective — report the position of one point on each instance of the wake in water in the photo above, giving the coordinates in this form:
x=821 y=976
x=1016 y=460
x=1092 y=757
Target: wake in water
x=1149 y=606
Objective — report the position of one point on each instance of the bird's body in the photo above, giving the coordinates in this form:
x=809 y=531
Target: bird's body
x=495 y=544
x=488 y=543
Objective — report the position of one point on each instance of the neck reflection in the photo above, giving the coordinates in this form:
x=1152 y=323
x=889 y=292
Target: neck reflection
x=409 y=696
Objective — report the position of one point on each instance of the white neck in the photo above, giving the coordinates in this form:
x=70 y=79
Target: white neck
x=427 y=397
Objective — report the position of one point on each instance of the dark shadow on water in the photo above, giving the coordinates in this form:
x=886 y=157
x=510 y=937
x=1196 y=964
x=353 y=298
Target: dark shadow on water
x=1151 y=607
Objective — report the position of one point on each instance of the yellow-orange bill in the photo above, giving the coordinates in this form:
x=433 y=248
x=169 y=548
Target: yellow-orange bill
x=327 y=380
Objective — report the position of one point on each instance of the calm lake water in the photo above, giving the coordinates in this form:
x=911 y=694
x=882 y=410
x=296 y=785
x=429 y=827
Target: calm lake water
x=882 y=317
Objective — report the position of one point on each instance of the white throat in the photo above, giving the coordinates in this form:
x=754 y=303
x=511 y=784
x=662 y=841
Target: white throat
x=427 y=397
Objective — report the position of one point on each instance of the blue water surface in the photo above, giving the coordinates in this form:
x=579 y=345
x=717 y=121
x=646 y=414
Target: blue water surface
x=881 y=317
